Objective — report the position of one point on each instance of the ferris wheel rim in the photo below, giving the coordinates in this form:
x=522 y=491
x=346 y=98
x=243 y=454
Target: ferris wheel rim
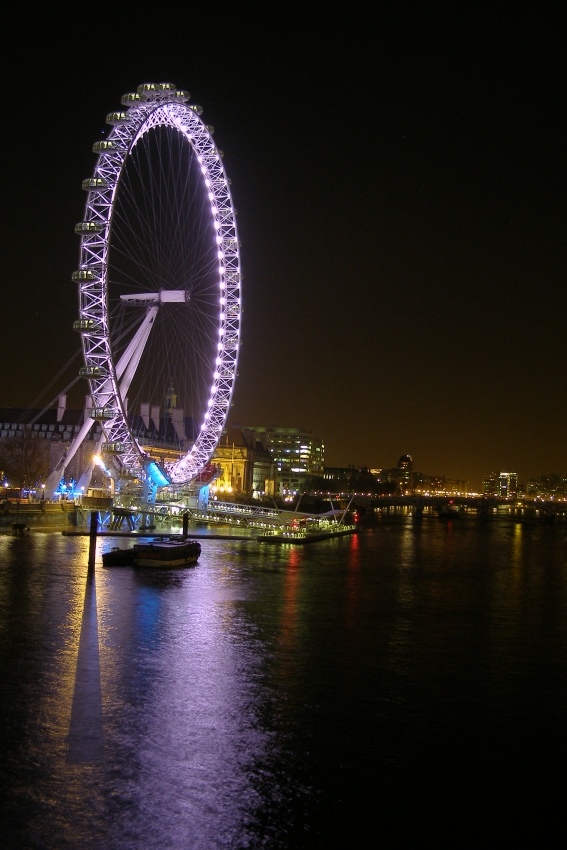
x=152 y=107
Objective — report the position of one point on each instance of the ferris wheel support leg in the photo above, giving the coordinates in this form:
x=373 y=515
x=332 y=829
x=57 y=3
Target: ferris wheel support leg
x=55 y=477
x=128 y=363
x=86 y=476
x=53 y=480
x=149 y=498
x=203 y=499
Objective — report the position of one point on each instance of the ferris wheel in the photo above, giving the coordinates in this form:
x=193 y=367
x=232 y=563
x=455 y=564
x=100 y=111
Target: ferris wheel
x=159 y=286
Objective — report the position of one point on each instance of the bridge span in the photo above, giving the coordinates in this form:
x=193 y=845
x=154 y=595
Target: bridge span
x=480 y=507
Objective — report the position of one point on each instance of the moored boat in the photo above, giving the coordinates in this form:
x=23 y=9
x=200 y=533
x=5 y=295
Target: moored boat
x=167 y=553
x=449 y=512
x=291 y=535
x=163 y=553
x=117 y=557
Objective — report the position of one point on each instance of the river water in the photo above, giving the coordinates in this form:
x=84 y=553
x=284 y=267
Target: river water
x=407 y=681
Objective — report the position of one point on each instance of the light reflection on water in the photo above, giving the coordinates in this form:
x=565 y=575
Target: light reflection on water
x=274 y=697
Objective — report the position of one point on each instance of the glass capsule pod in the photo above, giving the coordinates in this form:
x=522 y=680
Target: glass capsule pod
x=102 y=414
x=117 y=118
x=104 y=145
x=156 y=88
x=94 y=183
x=84 y=275
x=113 y=448
x=86 y=325
x=130 y=98
x=93 y=372
x=86 y=227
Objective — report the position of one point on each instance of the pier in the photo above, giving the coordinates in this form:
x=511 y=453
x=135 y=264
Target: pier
x=248 y=521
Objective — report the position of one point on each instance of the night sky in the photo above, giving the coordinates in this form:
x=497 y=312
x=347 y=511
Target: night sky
x=400 y=184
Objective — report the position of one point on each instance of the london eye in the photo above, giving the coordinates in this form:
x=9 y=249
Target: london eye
x=159 y=285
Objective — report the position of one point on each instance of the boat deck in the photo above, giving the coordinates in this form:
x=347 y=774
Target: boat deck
x=300 y=537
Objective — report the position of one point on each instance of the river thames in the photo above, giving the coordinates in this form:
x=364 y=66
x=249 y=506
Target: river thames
x=408 y=681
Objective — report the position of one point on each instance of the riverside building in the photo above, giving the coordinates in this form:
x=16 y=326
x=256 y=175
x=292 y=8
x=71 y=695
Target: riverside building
x=298 y=455
x=246 y=467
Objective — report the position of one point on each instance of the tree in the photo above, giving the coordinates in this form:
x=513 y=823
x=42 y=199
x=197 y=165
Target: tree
x=24 y=460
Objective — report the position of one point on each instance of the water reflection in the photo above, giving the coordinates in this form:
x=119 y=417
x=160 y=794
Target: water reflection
x=85 y=727
x=290 y=596
x=261 y=698
x=185 y=684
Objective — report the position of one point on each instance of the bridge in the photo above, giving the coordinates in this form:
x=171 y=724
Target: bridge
x=480 y=507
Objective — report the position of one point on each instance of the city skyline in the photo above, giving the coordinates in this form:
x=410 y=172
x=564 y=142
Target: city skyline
x=400 y=190
x=60 y=418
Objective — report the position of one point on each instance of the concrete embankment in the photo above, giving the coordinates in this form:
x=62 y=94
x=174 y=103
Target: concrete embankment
x=69 y=519
x=38 y=516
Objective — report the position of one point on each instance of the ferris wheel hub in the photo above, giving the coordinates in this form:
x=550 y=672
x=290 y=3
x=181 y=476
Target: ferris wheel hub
x=164 y=296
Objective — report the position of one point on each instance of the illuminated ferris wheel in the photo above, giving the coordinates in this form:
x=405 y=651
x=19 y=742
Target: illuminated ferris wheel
x=159 y=283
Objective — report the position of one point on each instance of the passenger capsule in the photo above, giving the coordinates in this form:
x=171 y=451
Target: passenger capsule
x=104 y=146
x=86 y=227
x=83 y=275
x=94 y=183
x=181 y=96
x=113 y=448
x=149 y=90
x=86 y=325
x=196 y=108
x=211 y=129
x=117 y=118
x=102 y=414
x=130 y=98
x=93 y=372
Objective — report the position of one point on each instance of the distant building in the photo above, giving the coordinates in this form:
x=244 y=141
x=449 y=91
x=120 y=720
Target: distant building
x=351 y=479
x=501 y=484
x=547 y=486
x=407 y=481
x=400 y=475
x=246 y=466
x=298 y=455
x=405 y=472
x=337 y=478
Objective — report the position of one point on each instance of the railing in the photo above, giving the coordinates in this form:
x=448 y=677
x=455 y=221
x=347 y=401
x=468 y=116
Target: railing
x=245 y=510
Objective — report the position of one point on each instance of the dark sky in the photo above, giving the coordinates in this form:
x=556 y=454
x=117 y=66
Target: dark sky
x=400 y=182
